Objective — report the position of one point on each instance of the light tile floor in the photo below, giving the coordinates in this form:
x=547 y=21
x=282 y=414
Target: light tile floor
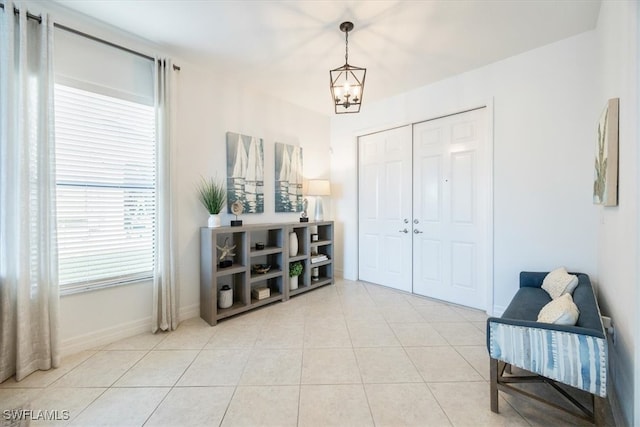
x=345 y=355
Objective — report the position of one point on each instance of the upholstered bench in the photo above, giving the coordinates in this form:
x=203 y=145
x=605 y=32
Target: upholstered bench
x=572 y=355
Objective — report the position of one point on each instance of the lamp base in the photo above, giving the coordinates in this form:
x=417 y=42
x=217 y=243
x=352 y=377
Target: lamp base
x=319 y=215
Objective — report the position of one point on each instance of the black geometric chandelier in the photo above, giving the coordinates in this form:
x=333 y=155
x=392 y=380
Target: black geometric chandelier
x=347 y=82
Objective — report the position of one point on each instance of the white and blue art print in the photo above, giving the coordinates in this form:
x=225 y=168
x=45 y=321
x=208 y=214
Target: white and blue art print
x=245 y=172
x=288 y=174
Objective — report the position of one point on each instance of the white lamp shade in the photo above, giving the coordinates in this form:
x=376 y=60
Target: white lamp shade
x=319 y=187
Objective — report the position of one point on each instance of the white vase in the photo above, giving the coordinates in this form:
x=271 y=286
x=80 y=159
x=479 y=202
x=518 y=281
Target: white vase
x=293 y=283
x=214 y=221
x=293 y=244
x=225 y=297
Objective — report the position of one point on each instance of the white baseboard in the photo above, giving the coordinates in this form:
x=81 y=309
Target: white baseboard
x=105 y=336
x=338 y=274
x=118 y=332
x=189 y=312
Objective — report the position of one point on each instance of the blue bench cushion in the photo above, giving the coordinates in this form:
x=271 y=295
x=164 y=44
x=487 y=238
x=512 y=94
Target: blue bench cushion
x=530 y=299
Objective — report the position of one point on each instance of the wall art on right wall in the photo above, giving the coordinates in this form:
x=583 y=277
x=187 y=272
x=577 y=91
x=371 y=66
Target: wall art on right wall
x=605 y=179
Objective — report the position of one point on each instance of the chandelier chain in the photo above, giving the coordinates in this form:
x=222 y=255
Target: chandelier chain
x=346 y=47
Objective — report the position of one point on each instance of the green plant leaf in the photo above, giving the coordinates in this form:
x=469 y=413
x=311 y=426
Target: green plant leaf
x=212 y=194
x=295 y=269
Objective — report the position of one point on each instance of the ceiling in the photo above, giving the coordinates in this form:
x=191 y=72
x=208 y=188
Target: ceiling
x=286 y=48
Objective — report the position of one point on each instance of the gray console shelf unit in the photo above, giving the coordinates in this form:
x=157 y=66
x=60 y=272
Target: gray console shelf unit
x=240 y=277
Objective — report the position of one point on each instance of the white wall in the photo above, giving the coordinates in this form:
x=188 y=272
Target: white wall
x=208 y=105
x=617 y=40
x=545 y=113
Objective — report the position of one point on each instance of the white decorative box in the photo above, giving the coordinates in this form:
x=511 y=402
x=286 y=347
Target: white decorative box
x=260 y=292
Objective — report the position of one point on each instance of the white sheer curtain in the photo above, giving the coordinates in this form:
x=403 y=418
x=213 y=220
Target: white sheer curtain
x=29 y=298
x=165 y=304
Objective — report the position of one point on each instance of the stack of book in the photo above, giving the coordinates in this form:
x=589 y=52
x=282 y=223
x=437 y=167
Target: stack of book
x=318 y=258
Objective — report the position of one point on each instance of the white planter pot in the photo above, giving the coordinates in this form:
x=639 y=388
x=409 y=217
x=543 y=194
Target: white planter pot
x=293 y=244
x=293 y=283
x=214 y=221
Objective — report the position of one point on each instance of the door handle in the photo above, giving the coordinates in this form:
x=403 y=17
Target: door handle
x=405 y=231
x=416 y=231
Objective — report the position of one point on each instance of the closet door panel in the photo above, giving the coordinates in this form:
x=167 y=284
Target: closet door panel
x=449 y=218
x=384 y=208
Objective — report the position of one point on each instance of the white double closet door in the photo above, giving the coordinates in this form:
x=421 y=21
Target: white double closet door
x=424 y=208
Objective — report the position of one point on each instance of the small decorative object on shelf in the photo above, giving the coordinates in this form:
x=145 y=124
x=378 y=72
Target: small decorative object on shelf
x=237 y=208
x=225 y=297
x=261 y=292
x=261 y=268
x=295 y=270
x=315 y=274
x=259 y=246
x=293 y=243
x=225 y=251
x=314 y=237
x=304 y=217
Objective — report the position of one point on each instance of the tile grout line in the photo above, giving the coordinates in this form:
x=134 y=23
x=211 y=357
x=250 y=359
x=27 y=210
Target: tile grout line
x=154 y=348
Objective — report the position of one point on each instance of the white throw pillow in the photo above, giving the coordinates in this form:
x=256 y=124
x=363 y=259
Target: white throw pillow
x=560 y=311
x=559 y=282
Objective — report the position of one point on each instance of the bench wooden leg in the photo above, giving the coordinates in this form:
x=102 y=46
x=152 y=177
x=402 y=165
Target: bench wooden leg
x=599 y=410
x=493 y=373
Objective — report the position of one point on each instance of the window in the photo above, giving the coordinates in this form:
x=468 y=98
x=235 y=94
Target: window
x=106 y=194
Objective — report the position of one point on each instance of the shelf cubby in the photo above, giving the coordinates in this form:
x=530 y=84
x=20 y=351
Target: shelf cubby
x=274 y=283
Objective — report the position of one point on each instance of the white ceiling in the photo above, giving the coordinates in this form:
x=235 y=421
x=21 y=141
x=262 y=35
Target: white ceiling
x=286 y=48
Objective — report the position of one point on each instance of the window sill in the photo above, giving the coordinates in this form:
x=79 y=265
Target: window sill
x=79 y=289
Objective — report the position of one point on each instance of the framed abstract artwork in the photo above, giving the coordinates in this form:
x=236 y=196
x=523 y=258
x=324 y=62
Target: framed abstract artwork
x=288 y=174
x=605 y=176
x=245 y=172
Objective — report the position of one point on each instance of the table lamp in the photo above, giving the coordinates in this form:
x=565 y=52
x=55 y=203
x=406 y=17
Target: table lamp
x=319 y=188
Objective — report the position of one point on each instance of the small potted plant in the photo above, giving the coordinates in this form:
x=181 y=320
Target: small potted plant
x=213 y=196
x=295 y=270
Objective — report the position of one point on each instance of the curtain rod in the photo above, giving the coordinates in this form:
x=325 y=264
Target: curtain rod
x=89 y=36
x=29 y=15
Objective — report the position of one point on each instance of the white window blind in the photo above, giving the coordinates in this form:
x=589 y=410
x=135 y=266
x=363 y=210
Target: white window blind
x=86 y=64
x=106 y=195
